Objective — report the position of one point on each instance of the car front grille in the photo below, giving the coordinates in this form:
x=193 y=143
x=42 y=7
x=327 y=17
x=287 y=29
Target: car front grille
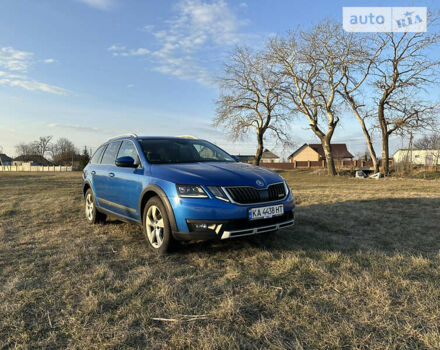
x=248 y=194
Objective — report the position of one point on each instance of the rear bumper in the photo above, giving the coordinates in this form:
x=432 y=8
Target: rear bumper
x=215 y=229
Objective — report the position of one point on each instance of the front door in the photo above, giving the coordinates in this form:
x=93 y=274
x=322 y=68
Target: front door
x=127 y=183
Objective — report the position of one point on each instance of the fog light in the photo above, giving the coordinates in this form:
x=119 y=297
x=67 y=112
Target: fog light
x=202 y=227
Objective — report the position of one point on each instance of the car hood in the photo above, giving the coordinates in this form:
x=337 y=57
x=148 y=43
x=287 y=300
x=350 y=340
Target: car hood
x=216 y=174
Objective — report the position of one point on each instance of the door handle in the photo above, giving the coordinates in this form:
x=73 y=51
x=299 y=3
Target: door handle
x=111 y=174
x=93 y=172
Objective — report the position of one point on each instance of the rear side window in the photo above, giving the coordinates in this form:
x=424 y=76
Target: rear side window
x=110 y=153
x=97 y=156
x=128 y=149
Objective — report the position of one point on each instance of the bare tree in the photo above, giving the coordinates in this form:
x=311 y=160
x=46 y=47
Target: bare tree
x=42 y=145
x=312 y=67
x=250 y=99
x=354 y=86
x=63 y=151
x=431 y=141
x=24 y=149
x=403 y=71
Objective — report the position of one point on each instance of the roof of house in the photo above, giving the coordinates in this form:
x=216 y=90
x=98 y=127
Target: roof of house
x=339 y=150
x=35 y=158
x=268 y=154
x=4 y=158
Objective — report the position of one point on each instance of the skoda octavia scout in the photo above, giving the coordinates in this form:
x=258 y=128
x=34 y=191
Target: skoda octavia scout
x=183 y=188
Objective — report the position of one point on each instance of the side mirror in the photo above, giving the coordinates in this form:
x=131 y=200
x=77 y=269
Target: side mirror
x=125 y=162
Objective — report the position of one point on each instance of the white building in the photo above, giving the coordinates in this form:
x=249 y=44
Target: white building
x=418 y=157
x=269 y=157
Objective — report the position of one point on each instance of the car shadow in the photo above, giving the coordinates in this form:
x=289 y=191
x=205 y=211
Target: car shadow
x=389 y=225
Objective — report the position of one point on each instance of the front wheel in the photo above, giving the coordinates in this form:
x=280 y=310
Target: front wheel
x=156 y=227
x=93 y=216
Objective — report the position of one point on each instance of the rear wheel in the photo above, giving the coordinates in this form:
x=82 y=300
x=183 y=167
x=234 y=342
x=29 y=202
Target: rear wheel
x=93 y=216
x=156 y=227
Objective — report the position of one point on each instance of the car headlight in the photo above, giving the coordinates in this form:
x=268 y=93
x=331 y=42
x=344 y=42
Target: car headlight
x=191 y=191
x=218 y=193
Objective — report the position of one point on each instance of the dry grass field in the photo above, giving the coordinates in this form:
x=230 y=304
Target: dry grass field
x=361 y=270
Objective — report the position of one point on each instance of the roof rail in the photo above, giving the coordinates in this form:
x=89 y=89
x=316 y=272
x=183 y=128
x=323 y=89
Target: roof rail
x=123 y=135
x=188 y=137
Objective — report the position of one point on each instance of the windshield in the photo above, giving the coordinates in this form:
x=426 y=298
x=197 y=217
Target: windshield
x=167 y=151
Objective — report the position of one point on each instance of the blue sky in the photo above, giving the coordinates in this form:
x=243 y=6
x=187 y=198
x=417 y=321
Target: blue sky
x=90 y=69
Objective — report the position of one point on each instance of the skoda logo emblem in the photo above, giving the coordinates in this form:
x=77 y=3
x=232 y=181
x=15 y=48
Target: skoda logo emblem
x=260 y=183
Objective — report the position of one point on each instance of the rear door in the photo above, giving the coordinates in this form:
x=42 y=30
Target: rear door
x=93 y=168
x=104 y=174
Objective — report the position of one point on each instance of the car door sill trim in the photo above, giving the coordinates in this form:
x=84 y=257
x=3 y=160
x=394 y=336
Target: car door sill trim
x=116 y=205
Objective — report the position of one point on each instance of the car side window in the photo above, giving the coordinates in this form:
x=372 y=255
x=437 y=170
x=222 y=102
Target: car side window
x=128 y=149
x=97 y=155
x=110 y=153
x=205 y=152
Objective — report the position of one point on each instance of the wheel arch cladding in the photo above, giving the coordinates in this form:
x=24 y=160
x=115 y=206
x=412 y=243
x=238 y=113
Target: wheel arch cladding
x=156 y=191
x=86 y=187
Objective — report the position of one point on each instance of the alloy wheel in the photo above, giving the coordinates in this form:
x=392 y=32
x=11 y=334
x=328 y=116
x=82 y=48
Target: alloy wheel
x=155 y=226
x=89 y=207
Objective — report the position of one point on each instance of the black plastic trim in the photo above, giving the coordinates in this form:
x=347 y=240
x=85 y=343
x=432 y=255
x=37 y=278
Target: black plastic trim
x=118 y=216
x=166 y=202
x=116 y=205
x=86 y=182
x=195 y=236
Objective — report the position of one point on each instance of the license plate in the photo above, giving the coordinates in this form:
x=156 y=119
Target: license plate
x=266 y=212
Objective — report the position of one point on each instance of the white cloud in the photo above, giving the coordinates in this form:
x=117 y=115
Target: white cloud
x=198 y=23
x=192 y=42
x=148 y=28
x=100 y=4
x=78 y=128
x=15 y=60
x=138 y=52
x=119 y=50
x=116 y=48
x=14 y=80
x=199 y=28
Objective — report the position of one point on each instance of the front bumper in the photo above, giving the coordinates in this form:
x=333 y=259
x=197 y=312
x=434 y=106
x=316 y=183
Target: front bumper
x=224 y=229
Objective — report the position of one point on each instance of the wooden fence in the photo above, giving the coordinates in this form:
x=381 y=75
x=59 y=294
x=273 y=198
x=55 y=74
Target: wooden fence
x=35 y=168
x=346 y=164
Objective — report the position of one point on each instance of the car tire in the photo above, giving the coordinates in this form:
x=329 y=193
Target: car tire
x=93 y=216
x=156 y=227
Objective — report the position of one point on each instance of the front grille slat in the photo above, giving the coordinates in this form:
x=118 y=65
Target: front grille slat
x=247 y=194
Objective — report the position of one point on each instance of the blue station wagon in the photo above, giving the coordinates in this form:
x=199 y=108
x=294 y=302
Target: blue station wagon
x=183 y=188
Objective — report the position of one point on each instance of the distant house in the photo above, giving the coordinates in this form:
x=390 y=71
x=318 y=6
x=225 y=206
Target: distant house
x=5 y=160
x=314 y=152
x=245 y=158
x=418 y=156
x=32 y=160
x=266 y=157
x=269 y=157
